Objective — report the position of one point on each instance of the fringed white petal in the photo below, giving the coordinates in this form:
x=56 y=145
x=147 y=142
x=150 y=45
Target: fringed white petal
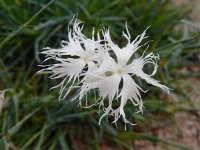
x=72 y=49
x=88 y=78
x=107 y=86
x=77 y=55
x=69 y=70
x=108 y=64
x=136 y=67
x=130 y=91
x=73 y=68
x=124 y=54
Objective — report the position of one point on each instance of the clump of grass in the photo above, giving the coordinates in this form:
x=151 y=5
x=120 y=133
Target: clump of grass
x=32 y=117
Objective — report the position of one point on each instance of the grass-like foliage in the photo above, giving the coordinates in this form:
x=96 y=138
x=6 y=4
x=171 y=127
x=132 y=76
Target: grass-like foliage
x=33 y=118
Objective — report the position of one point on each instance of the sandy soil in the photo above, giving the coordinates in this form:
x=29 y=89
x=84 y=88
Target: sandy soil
x=194 y=14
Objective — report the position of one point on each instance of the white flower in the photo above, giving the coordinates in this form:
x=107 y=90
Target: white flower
x=112 y=72
x=102 y=65
x=76 y=55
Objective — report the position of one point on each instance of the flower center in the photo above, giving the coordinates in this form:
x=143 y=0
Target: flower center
x=120 y=71
x=85 y=59
x=109 y=73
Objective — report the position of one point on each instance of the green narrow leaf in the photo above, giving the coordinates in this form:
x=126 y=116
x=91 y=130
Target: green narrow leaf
x=17 y=126
x=30 y=141
x=72 y=116
x=192 y=24
x=62 y=142
x=41 y=139
x=11 y=35
x=53 y=145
